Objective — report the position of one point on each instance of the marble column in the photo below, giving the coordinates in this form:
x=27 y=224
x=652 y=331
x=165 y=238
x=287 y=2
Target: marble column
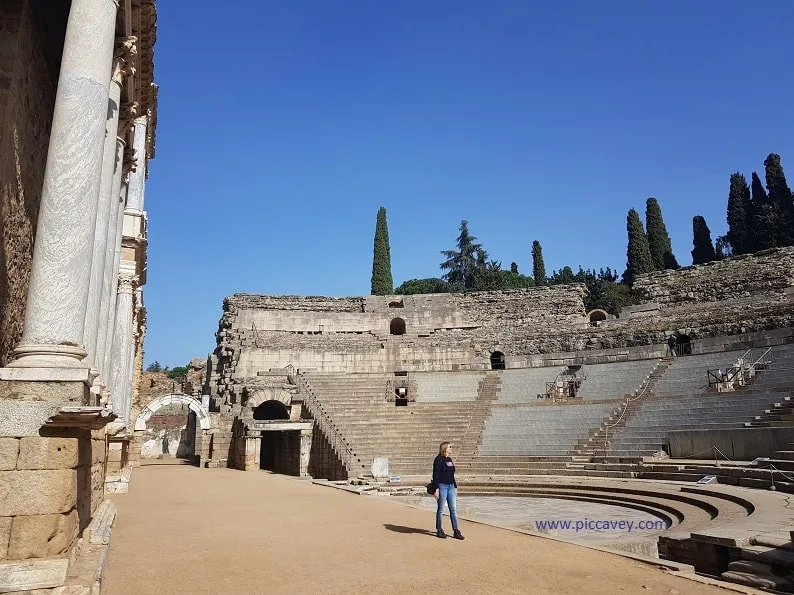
x=305 y=451
x=113 y=285
x=138 y=177
x=128 y=379
x=122 y=343
x=54 y=330
x=111 y=163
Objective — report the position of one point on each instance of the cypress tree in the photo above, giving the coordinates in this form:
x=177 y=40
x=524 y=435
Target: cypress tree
x=703 y=250
x=765 y=218
x=740 y=216
x=638 y=253
x=658 y=238
x=538 y=268
x=382 y=282
x=780 y=198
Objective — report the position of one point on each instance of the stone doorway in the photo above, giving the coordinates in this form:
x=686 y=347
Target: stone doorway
x=497 y=360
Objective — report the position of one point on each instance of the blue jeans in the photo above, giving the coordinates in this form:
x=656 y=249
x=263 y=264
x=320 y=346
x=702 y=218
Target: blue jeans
x=446 y=493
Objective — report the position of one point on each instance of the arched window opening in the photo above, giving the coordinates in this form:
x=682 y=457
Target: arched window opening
x=397 y=326
x=271 y=410
x=497 y=360
x=396 y=304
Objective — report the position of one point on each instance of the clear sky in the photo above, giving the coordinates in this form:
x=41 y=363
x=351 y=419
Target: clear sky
x=284 y=125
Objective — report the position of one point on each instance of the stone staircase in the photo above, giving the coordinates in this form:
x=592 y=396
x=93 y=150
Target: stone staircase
x=768 y=563
x=596 y=445
x=779 y=415
x=487 y=392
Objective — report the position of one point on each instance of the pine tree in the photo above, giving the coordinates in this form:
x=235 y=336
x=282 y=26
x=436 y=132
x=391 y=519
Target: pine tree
x=538 y=268
x=764 y=216
x=658 y=238
x=462 y=263
x=703 y=250
x=740 y=216
x=382 y=282
x=780 y=198
x=638 y=253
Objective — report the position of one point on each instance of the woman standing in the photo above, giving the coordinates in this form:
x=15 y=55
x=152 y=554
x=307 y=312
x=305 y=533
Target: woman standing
x=444 y=479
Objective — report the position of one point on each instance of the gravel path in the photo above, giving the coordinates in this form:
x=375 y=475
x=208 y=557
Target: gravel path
x=182 y=529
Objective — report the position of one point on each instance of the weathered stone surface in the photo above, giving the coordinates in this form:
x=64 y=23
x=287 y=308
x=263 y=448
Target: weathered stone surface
x=41 y=536
x=37 y=492
x=35 y=574
x=102 y=523
x=24 y=418
x=9 y=451
x=48 y=453
x=5 y=534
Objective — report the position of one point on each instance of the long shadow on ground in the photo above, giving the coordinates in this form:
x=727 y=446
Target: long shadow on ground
x=402 y=529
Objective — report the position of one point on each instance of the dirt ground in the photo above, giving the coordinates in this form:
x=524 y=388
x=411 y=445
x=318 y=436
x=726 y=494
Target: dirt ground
x=187 y=530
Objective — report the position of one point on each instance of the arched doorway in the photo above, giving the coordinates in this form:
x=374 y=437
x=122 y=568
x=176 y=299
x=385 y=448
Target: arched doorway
x=397 y=326
x=275 y=446
x=168 y=435
x=596 y=316
x=270 y=410
x=497 y=360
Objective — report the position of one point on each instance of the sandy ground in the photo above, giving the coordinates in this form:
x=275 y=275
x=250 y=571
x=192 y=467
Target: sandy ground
x=182 y=529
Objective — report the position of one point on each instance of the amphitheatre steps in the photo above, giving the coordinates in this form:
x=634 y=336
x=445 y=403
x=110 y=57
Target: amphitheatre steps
x=618 y=418
x=487 y=391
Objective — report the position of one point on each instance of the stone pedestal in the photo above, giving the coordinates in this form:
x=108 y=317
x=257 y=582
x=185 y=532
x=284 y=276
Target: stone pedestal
x=305 y=450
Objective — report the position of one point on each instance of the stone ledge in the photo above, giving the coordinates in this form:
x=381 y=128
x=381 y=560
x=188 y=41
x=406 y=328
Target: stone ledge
x=37 y=574
x=46 y=375
x=101 y=526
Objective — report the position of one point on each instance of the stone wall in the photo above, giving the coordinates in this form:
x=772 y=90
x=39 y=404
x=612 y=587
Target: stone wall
x=764 y=275
x=43 y=517
x=31 y=38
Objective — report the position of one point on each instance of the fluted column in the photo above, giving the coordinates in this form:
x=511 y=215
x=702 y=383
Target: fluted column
x=122 y=343
x=112 y=161
x=113 y=282
x=138 y=177
x=54 y=330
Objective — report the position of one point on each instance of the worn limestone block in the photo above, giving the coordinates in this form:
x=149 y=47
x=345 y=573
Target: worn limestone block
x=98 y=450
x=48 y=453
x=102 y=524
x=35 y=574
x=5 y=533
x=41 y=536
x=9 y=450
x=37 y=492
x=24 y=418
x=59 y=393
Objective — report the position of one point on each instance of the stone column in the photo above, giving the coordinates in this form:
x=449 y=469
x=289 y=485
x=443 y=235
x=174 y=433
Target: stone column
x=138 y=177
x=122 y=343
x=108 y=203
x=305 y=450
x=127 y=390
x=54 y=331
x=113 y=283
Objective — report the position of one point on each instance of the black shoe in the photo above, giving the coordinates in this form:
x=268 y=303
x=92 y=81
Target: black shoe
x=458 y=535
x=441 y=534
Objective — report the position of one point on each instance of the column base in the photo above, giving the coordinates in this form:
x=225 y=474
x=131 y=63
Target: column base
x=48 y=356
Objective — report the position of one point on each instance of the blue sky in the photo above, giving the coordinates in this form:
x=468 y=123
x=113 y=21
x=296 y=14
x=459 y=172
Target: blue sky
x=284 y=125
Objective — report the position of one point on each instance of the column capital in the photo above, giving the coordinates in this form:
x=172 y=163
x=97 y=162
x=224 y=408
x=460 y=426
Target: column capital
x=127 y=115
x=127 y=283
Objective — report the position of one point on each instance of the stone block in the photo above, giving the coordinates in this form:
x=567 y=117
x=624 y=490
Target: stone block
x=9 y=450
x=36 y=574
x=57 y=392
x=23 y=418
x=98 y=452
x=5 y=533
x=37 y=492
x=41 y=536
x=48 y=453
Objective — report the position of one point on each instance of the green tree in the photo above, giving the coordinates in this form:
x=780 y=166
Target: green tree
x=703 y=248
x=154 y=367
x=415 y=286
x=740 y=216
x=177 y=372
x=382 y=282
x=765 y=218
x=538 y=268
x=638 y=253
x=514 y=268
x=780 y=198
x=461 y=264
x=722 y=248
x=658 y=238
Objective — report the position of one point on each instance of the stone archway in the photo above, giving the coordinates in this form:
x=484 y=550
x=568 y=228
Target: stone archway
x=596 y=316
x=193 y=440
x=497 y=360
x=397 y=326
x=202 y=415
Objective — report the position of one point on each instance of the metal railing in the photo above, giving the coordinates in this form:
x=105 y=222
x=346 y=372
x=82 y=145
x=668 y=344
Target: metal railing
x=740 y=372
x=326 y=425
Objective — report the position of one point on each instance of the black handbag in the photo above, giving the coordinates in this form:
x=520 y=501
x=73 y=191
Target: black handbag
x=431 y=488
